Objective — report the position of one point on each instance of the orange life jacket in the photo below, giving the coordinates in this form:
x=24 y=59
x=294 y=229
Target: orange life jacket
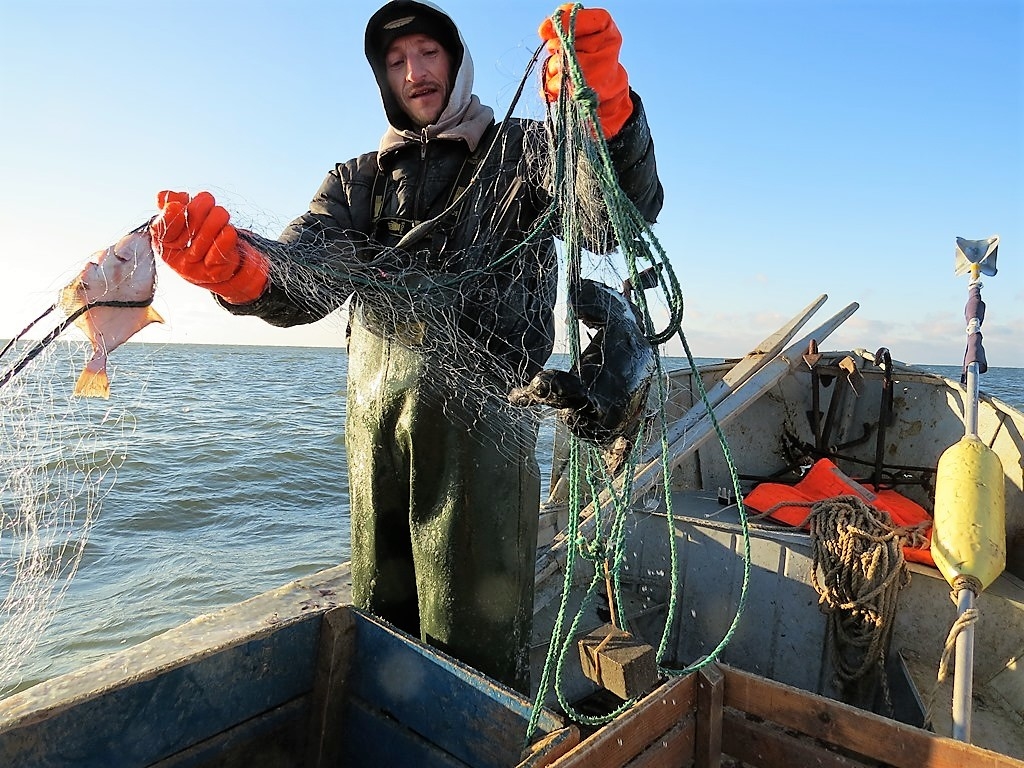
x=826 y=481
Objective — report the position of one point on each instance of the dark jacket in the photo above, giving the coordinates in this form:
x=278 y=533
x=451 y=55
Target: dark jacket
x=474 y=266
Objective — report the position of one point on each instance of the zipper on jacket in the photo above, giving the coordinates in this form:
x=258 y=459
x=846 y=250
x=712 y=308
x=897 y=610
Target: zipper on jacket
x=419 y=214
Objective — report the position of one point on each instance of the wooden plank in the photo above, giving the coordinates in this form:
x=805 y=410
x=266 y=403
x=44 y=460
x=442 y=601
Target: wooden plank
x=765 y=746
x=141 y=721
x=545 y=751
x=626 y=737
x=482 y=723
x=865 y=733
x=324 y=743
x=710 y=691
x=374 y=739
x=268 y=741
x=674 y=748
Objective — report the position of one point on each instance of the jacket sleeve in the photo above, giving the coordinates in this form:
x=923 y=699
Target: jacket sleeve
x=319 y=256
x=632 y=154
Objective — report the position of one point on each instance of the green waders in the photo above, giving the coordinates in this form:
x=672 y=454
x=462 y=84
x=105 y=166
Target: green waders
x=444 y=512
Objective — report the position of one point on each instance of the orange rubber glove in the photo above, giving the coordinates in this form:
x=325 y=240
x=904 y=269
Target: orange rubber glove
x=193 y=236
x=598 y=42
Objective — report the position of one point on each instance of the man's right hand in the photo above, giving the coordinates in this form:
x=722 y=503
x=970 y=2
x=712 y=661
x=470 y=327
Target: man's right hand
x=194 y=236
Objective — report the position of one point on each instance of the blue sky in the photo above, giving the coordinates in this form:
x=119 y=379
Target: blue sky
x=806 y=147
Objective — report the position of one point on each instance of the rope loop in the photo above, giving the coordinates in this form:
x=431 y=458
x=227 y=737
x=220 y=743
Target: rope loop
x=966 y=619
x=586 y=96
x=962 y=582
x=581 y=164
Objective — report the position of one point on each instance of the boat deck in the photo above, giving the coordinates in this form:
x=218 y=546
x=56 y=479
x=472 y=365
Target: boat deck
x=781 y=633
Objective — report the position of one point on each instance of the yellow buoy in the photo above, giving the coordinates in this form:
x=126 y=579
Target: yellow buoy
x=969 y=530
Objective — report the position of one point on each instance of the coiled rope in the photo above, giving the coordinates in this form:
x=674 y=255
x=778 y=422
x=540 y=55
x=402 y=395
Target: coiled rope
x=858 y=571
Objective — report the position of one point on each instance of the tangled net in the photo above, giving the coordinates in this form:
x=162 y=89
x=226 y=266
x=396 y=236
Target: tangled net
x=471 y=262
x=460 y=290
x=58 y=459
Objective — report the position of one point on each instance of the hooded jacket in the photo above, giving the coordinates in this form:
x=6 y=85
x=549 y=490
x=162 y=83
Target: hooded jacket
x=364 y=206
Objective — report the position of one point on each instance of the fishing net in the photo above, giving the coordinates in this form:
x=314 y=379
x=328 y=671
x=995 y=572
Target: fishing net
x=58 y=459
x=455 y=289
x=458 y=291
x=444 y=308
x=461 y=292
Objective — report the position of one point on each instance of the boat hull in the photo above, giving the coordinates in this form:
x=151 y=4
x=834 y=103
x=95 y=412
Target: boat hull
x=291 y=678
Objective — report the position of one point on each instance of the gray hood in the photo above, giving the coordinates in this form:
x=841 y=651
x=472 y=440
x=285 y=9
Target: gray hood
x=464 y=117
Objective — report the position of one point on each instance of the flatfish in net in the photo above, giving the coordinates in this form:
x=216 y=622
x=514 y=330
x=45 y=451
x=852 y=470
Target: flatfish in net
x=602 y=399
x=112 y=297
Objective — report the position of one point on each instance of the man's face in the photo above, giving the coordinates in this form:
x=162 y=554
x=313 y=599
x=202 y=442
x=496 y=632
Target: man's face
x=419 y=70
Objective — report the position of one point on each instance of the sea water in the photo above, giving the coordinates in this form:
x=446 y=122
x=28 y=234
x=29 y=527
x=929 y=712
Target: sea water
x=232 y=482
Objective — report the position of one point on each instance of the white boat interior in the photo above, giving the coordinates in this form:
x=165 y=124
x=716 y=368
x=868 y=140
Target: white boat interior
x=782 y=633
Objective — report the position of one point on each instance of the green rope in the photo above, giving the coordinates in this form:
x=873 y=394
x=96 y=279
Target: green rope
x=637 y=244
x=712 y=657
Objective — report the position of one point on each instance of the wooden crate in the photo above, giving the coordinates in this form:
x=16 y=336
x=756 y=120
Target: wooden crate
x=722 y=714
x=381 y=699
x=321 y=690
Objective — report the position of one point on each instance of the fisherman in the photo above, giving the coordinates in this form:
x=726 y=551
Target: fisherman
x=443 y=520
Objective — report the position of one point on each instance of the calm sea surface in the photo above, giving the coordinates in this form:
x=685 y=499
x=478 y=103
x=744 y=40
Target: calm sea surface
x=231 y=482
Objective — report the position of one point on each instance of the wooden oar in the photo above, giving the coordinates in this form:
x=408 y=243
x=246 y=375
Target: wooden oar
x=688 y=438
x=739 y=374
